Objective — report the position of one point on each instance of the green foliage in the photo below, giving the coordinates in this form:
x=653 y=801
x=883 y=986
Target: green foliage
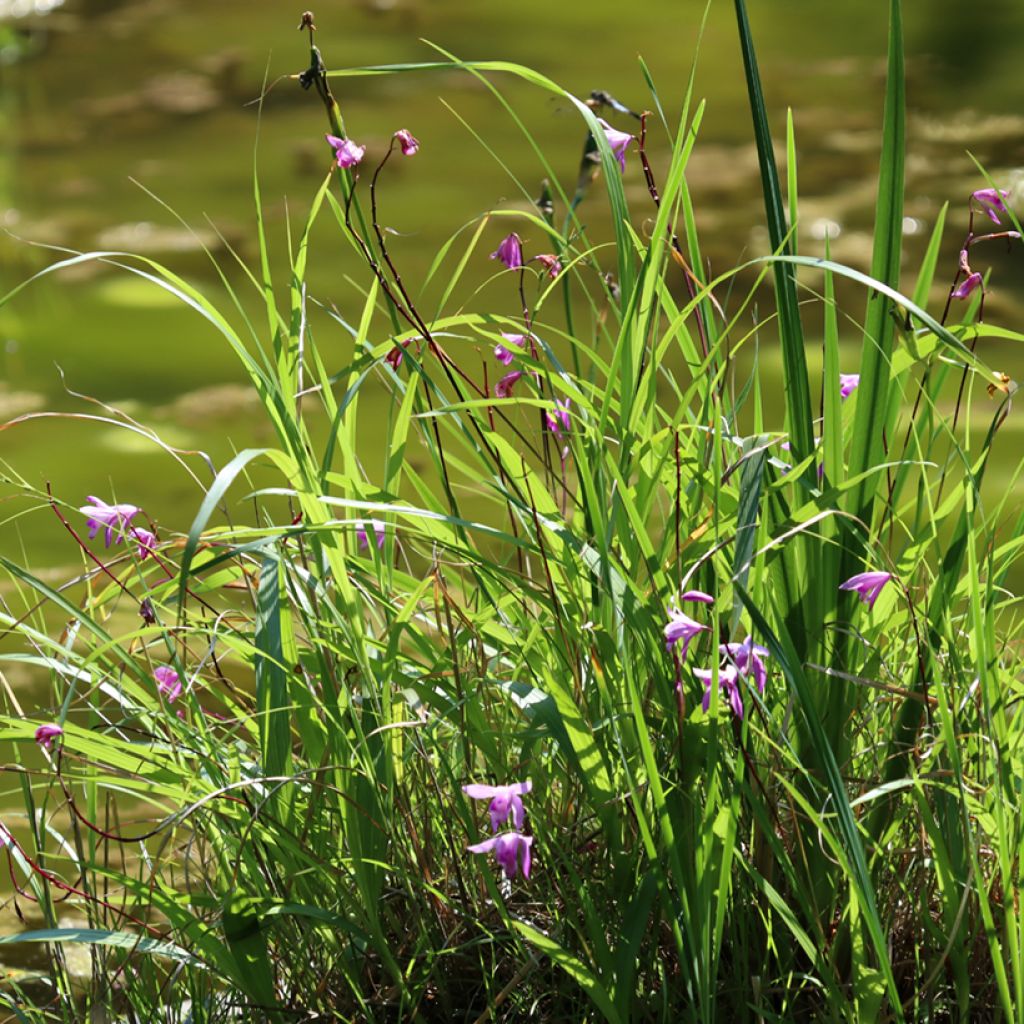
x=294 y=841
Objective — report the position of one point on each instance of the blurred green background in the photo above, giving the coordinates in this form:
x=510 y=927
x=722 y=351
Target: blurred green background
x=100 y=98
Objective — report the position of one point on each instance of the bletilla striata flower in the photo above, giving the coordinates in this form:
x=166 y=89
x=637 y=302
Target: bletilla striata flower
x=146 y=540
x=379 y=532
x=503 y=389
x=680 y=628
x=848 y=384
x=618 y=141
x=405 y=139
x=557 y=417
x=747 y=659
x=867 y=585
x=110 y=518
x=510 y=252
x=727 y=677
x=168 y=682
x=991 y=202
x=505 y=355
x=347 y=152
x=46 y=734
x=506 y=801
x=509 y=849
x=968 y=285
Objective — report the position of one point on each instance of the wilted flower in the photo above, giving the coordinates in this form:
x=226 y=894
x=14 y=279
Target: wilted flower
x=510 y=252
x=867 y=585
x=109 y=518
x=502 y=354
x=505 y=801
x=550 y=264
x=617 y=141
x=168 y=683
x=557 y=418
x=967 y=285
x=46 y=734
x=395 y=356
x=726 y=681
x=747 y=659
x=146 y=540
x=848 y=384
x=991 y=201
x=347 y=152
x=408 y=143
x=147 y=611
x=378 y=530
x=680 y=627
x=507 y=850
x=504 y=386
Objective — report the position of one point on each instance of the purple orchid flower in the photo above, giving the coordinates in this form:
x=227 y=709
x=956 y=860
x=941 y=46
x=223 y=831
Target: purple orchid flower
x=967 y=286
x=727 y=677
x=991 y=202
x=867 y=585
x=346 y=151
x=379 y=531
x=848 y=384
x=557 y=418
x=618 y=141
x=747 y=659
x=505 y=801
x=108 y=518
x=410 y=146
x=46 y=734
x=168 y=682
x=504 y=355
x=697 y=595
x=503 y=389
x=680 y=628
x=146 y=540
x=508 y=848
x=510 y=252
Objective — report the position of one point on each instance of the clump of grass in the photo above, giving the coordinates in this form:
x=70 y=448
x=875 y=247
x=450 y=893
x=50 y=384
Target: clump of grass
x=574 y=559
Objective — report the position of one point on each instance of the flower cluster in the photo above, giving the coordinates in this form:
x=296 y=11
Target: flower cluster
x=556 y=418
x=746 y=660
x=511 y=849
x=116 y=523
x=740 y=660
x=991 y=202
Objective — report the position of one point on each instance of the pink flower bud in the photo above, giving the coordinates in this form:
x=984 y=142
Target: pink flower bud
x=409 y=145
